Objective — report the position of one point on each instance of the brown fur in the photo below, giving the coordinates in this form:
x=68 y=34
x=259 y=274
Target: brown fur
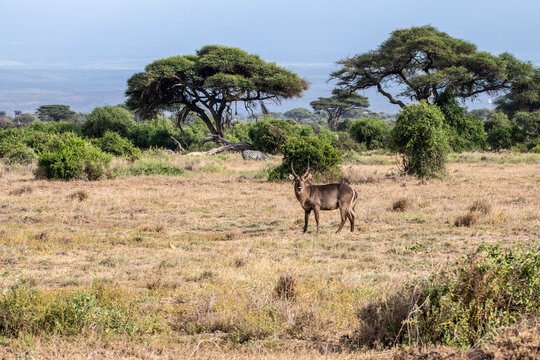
x=324 y=197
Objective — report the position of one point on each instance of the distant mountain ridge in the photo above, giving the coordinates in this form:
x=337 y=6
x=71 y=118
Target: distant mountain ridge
x=85 y=89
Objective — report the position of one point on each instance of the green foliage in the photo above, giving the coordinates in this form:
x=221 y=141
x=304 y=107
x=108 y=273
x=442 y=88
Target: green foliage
x=529 y=121
x=298 y=114
x=108 y=118
x=27 y=311
x=462 y=306
x=420 y=135
x=73 y=158
x=340 y=140
x=55 y=113
x=269 y=135
x=323 y=159
x=239 y=132
x=466 y=131
x=374 y=132
x=209 y=82
x=114 y=144
x=504 y=137
x=423 y=62
x=148 y=135
x=524 y=94
x=339 y=103
x=497 y=119
x=16 y=153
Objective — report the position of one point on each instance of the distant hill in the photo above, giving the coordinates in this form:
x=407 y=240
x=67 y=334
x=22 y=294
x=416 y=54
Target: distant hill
x=83 y=90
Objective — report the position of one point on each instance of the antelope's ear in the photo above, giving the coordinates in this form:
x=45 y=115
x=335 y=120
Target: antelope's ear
x=291 y=177
x=309 y=177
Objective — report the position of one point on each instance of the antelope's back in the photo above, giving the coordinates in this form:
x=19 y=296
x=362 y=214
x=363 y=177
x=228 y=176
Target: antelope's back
x=330 y=195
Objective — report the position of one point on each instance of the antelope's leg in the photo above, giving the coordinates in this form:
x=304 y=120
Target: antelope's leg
x=306 y=219
x=343 y=213
x=317 y=210
x=350 y=215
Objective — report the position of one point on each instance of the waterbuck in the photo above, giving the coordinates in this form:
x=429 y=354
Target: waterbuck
x=324 y=197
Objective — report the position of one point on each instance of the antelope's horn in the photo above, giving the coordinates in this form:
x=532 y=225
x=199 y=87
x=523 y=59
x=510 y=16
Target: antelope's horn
x=292 y=168
x=307 y=169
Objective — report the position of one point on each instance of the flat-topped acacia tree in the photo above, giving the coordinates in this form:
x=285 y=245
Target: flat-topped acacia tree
x=207 y=83
x=424 y=63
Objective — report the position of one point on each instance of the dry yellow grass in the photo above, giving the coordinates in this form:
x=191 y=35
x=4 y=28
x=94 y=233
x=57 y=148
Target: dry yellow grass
x=204 y=251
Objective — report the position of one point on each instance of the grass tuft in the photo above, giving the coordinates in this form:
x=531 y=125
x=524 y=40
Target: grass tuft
x=286 y=287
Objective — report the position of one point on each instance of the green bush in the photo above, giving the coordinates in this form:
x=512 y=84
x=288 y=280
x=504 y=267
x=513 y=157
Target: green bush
x=114 y=144
x=461 y=306
x=74 y=158
x=16 y=152
x=374 y=132
x=466 y=131
x=324 y=160
x=27 y=311
x=340 y=140
x=239 y=132
x=499 y=138
x=269 y=135
x=108 y=118
x=420 y=135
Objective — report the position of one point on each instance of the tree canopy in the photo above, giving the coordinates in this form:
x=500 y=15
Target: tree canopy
x=298 y=114
x=524 y=94
x=340 y=102
x=424 y=62
x=207 y=83
x=55 y=113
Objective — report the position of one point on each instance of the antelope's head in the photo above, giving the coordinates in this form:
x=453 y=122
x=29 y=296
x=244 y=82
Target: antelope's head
x=300 y=182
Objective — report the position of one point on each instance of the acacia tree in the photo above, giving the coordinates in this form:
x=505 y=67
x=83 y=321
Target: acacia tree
x=55 y=113
x=340 y=102
x=524 y=94
x=207 y=83
x=298 y=114
x=424 y=62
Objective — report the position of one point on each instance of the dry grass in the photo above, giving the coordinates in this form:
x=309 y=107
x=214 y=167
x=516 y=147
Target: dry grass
x=212 y=244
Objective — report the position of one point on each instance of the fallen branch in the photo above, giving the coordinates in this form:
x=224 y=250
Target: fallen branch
x=229 y=146
x=180 y=148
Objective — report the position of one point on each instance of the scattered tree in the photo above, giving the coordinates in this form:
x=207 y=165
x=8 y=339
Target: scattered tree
x=298 y=114
x=340 y=102
x=425 y=62
x=55 y=113
x=207 y=83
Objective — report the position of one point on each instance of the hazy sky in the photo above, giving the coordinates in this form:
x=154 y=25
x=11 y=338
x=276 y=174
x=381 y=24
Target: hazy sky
x=128 y=34
x=131 y=33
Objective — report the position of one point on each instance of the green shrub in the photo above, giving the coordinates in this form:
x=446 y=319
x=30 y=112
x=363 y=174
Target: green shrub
x=20 y=154
x=114 y=144
x=535 y=149
x=462 y=306
x=74 y=158
x=420 y=135
x=269 y=135
x=27 y=311
x=108 y=118
x=324 y=160
x=374 y=132
x=466 y=131
x=499 y=138
x=239 y=132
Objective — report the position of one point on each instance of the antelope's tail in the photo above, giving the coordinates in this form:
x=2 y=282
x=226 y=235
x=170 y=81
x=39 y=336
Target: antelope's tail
x=353 y=202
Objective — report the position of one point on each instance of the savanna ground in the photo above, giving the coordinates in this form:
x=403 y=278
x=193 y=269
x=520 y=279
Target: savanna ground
x=197 y=258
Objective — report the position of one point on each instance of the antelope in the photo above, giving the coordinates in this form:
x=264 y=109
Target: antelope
x=324 y=197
